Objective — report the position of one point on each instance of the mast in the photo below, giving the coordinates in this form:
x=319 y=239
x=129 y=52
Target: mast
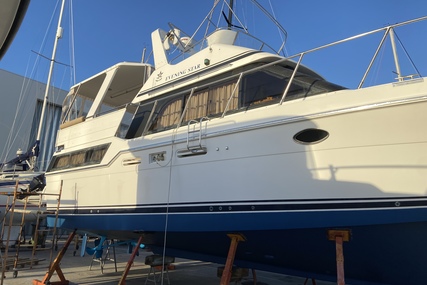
x=52 y=61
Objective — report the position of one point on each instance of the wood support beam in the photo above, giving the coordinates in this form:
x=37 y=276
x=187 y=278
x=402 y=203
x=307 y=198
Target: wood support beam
x=130 y=261
x=55 y=266
x=226 y=274
x=339 y=236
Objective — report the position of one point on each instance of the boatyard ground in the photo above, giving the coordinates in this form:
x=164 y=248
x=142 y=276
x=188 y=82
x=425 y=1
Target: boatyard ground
x=76 y=270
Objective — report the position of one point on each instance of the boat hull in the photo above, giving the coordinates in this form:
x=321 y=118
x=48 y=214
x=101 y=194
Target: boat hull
x=367 y=176
x=292 y=248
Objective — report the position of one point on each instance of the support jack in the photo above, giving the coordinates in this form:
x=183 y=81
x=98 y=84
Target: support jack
x=339 y=236
x=226 y=274
x=130 y=261
x=55 y=266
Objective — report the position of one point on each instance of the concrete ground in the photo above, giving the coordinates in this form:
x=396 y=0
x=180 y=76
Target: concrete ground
x=77 y=270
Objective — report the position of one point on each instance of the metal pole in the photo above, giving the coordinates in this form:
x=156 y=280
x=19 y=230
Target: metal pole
x=52 y=61
x=396 y=58
x=230 y=14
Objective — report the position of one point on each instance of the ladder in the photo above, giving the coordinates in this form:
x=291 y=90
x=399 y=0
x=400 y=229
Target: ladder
x=194 y=135
x=8 y=221
x=40 y=235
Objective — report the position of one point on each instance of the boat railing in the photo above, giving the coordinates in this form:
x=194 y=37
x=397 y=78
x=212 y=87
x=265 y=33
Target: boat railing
x=388 y=32
x=295 y=61
x=245 y=39
x=242 y=39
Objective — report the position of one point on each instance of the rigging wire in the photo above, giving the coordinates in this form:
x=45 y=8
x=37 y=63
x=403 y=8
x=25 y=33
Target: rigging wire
x=377 y=71
x=23 y=111
x=278 y=29
x=15 y=130
x=407 y=55
x=174 y=133
x=71 y=43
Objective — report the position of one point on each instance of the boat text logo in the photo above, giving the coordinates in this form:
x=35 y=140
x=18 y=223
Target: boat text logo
x=159 y=76
x=177 y=74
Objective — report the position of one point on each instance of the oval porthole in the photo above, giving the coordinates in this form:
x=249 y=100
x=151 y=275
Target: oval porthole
x=311 y=136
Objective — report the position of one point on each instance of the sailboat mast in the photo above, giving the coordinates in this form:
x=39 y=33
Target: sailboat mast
x=52 y=61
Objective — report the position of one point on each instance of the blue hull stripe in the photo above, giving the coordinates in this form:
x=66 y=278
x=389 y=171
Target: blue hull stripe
x=255 y=206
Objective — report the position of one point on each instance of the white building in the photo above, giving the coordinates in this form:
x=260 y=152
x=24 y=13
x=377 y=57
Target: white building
x=20 y=110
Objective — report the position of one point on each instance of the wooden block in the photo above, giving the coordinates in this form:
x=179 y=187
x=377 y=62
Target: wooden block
x=345 y=234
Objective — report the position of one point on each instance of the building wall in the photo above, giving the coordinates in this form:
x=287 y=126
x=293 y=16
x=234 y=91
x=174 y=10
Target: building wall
x=19 y=118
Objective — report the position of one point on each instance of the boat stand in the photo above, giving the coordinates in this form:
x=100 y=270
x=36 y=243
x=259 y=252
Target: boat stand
x=55 y=266
x=130 y=261
x=339 y=236
x=226 y=274
x=97 y=253
x=158 y=263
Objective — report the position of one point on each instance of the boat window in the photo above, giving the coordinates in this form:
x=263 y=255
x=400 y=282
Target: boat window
x=166 y=114
x=60 y=162
x=96 y=155
x=197 y=105
x=256 y=89
x=77 y=158
x=11 y=167
x=261 y=88
x=212 y=101
x=265 y=87
x=208 y=102
x=75 y=105
x=87 y=156
x=105 y=108
x=139 y=120
x=126 y=121
x=220 y=95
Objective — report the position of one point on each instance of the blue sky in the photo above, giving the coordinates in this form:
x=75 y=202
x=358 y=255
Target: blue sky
x=107 y=32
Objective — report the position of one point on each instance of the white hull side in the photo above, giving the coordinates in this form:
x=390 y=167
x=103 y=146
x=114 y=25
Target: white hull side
x=374 y=150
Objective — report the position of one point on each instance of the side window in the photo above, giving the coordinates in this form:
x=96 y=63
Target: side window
x=61 y=162
x=265 y=87
x=139 y=120
x=261 y=88
x=212 y=101
x=197 y=105
x=219 y=96
x=96 y=155
x=166 y=114
x=78 y=158
x=208 y=102
x=76 y=104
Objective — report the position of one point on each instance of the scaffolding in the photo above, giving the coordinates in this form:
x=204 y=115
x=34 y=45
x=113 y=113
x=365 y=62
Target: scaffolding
x=39 y=235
